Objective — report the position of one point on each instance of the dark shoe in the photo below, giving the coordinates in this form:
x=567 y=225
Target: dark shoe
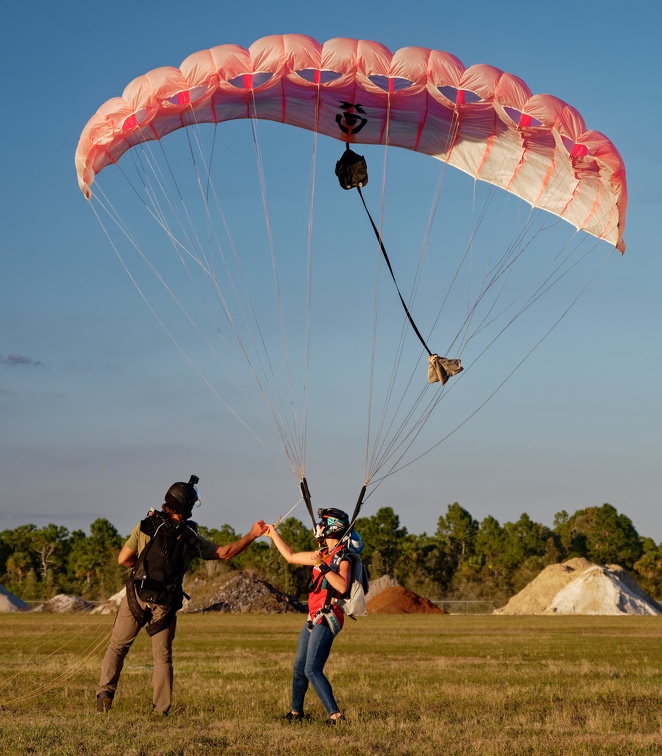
x=104 y=702
x=333 y=722
x=292 y=716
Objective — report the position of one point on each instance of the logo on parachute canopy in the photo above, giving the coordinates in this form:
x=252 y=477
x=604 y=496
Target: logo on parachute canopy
x=352 y=119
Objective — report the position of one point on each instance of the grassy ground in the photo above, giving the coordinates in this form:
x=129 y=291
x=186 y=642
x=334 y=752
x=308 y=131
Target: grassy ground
x=408 y=684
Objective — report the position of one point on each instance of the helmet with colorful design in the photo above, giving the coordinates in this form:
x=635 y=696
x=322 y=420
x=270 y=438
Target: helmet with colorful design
x=334 y=523
x=182 y=497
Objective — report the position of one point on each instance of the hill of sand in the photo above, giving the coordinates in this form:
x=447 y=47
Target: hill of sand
x=580 y=587
x=379 y=584
x=398 y=600
x=10 y=603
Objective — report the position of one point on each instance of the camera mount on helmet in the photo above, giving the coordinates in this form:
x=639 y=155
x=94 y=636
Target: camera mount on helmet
x=182 y=497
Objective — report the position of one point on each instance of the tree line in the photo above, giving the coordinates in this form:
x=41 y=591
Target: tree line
x=463 y=560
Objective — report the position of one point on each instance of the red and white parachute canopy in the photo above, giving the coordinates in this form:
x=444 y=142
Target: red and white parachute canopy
x=479 y=119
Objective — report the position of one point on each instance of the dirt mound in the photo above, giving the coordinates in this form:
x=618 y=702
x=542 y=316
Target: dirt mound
x=380 y=584
x=11 y=603
x=580 y=587
x=398 y=600
x=240 y=593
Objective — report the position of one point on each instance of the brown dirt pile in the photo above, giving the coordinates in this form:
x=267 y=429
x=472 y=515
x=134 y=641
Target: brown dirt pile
x=398 y=600
x=241 y=593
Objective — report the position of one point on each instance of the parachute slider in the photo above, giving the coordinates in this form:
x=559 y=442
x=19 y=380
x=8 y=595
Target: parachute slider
x=351 y=170
x=440 y=369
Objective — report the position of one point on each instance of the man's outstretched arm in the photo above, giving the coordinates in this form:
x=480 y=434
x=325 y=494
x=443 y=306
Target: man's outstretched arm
x=236 y=547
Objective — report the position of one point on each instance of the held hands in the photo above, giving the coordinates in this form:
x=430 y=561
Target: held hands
x=259 y=529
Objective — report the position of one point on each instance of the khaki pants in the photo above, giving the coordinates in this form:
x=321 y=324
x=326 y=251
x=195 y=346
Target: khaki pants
x=125 y=631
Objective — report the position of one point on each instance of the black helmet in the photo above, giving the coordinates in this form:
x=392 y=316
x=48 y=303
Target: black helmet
x=182 y=497
x=334 y=523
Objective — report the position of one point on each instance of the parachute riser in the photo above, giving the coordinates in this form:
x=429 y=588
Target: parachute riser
x=357 y=509
x=305 y=493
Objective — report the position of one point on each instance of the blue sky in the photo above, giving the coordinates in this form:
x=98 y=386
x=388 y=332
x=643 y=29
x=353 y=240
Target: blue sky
x=98 y=411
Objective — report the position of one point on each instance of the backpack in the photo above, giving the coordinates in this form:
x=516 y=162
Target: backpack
x=353 y=602
x=159 y=571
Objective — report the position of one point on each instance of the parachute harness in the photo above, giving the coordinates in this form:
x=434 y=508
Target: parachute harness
x=352 y=173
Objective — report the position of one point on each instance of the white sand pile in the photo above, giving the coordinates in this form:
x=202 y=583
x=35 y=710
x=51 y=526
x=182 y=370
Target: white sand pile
x=380 y=584
x=599 y=591
x=10 y=603
x=111 y=604
x=540 y=592
x=581 y=587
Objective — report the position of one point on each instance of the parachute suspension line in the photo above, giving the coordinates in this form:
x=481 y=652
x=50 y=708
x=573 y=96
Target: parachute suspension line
x=176 y=343
x=547 y=278
x=549 y=282
x=396 y=469
x=272 y=420
x=375 y=313
x=385 y=451
x=292 y=423
x=383 y=432
x=274 y=423
x=517 y=248
x=277 y=429
x=226 y=310
x=471 y=309
x=309 y=290
x=466 y=260
x=288 y=513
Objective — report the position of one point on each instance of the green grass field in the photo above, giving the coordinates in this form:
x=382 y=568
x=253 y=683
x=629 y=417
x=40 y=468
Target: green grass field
x=408 y=684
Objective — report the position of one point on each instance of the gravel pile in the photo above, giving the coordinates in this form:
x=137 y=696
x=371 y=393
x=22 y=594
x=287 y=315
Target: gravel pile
x=241 y=593
x=63 y=604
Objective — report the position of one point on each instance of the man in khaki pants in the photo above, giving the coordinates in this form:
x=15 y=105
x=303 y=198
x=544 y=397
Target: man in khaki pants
x=159 y=550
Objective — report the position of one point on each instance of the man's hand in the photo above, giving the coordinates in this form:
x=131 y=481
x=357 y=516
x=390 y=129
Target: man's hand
x=259 y=529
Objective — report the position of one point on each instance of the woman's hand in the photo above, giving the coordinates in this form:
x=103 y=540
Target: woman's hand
x=270 y=530
x=258 y=529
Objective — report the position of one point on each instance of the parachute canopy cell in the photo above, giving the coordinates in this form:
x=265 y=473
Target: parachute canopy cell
x=479 y=119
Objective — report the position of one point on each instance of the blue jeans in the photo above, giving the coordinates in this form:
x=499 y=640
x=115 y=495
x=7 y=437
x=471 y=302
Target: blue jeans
x=313 y=650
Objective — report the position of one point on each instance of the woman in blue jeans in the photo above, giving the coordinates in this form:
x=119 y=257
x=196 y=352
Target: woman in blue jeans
x=331 y=575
